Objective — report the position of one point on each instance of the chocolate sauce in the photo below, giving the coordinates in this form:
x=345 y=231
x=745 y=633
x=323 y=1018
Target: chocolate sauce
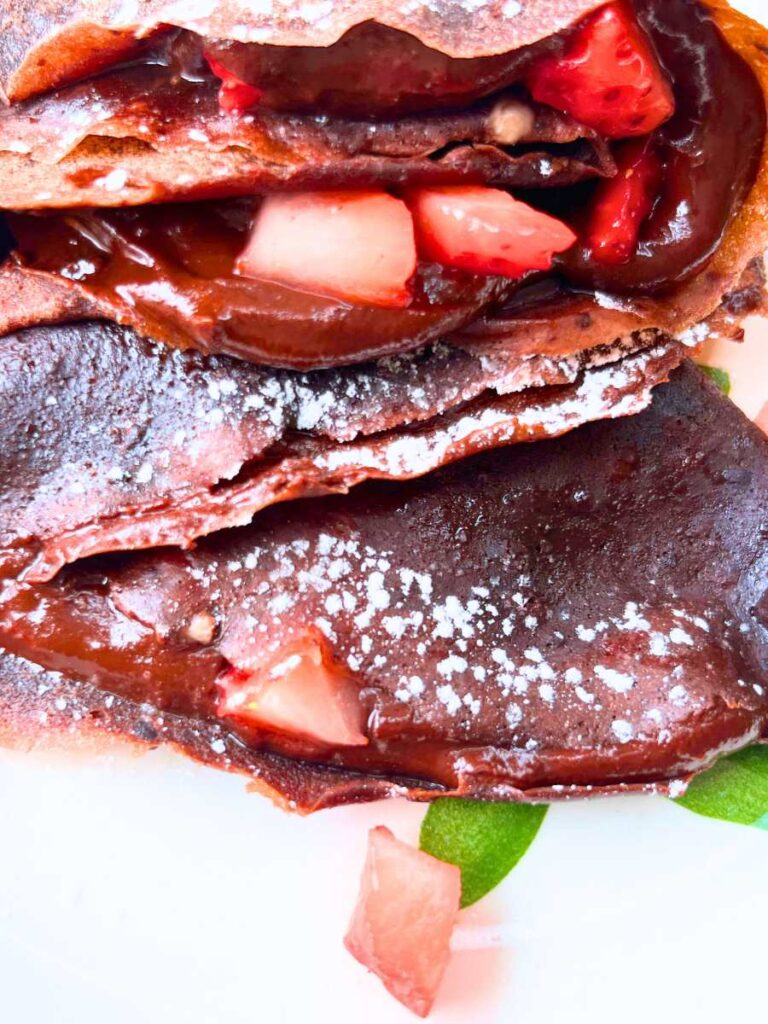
x=175 y=266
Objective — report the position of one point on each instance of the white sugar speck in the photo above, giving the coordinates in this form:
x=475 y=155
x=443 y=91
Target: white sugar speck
x=678 y=695
x=451 y=665
x=618 y=681
x=448 y=696
x=514 y=715
x=679 y=636
x=622 y=730
x=584 y=695
x=658 y=645
x=547 y=693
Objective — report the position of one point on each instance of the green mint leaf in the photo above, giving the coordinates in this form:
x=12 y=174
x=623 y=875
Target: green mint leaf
x=485 y=840
x=721 y=377
x=734 y=789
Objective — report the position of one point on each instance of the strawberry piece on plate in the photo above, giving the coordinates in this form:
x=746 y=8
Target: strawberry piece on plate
x=621 y=204
x=486 y=231
x=608 y=77
x=357 y=246
x=235 y=96
x=402 y=924
x=299 y=692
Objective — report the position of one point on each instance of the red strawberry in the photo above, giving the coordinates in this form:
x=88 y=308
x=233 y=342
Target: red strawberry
x=621 y=204
x=485 y=230
x=607 y=78
x=234 y=96
x=402 y=924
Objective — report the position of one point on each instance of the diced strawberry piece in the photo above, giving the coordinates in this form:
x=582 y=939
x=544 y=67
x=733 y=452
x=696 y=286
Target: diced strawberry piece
x=621 y=204
x=486 y=231
x=234 y=96
x=607 y=78
x=401 y=927
x=301 y=692
x=762 y=418
x=358 y=246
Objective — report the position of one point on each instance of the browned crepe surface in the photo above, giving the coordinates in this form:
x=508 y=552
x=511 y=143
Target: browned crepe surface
x=110 y=442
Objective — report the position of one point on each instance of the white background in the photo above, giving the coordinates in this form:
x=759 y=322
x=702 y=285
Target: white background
x=147 y=889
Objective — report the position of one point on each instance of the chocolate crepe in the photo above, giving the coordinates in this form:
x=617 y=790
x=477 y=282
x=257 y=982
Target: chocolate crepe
x=157 y=122
x=585 y=613
x=111 y=442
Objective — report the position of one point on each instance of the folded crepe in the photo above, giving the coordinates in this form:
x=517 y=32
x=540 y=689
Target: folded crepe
x=584 y=614
x=256 y=256
x=639 y=128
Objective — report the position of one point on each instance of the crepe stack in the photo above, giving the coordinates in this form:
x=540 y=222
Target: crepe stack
x=356 y=254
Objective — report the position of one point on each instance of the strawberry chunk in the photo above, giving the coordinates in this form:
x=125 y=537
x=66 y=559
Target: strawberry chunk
x=401 y=927
x=357 y=246
x=300 y=692
x=607 y=78
x=621 y=204
x=234 y=96
x=486 y=231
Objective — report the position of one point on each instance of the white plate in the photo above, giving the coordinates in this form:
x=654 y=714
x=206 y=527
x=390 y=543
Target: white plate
x=148 y=889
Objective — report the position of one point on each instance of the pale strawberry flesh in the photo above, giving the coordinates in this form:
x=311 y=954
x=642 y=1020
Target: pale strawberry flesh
x=356 y=246
x=300 y=692
x=402 y=924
